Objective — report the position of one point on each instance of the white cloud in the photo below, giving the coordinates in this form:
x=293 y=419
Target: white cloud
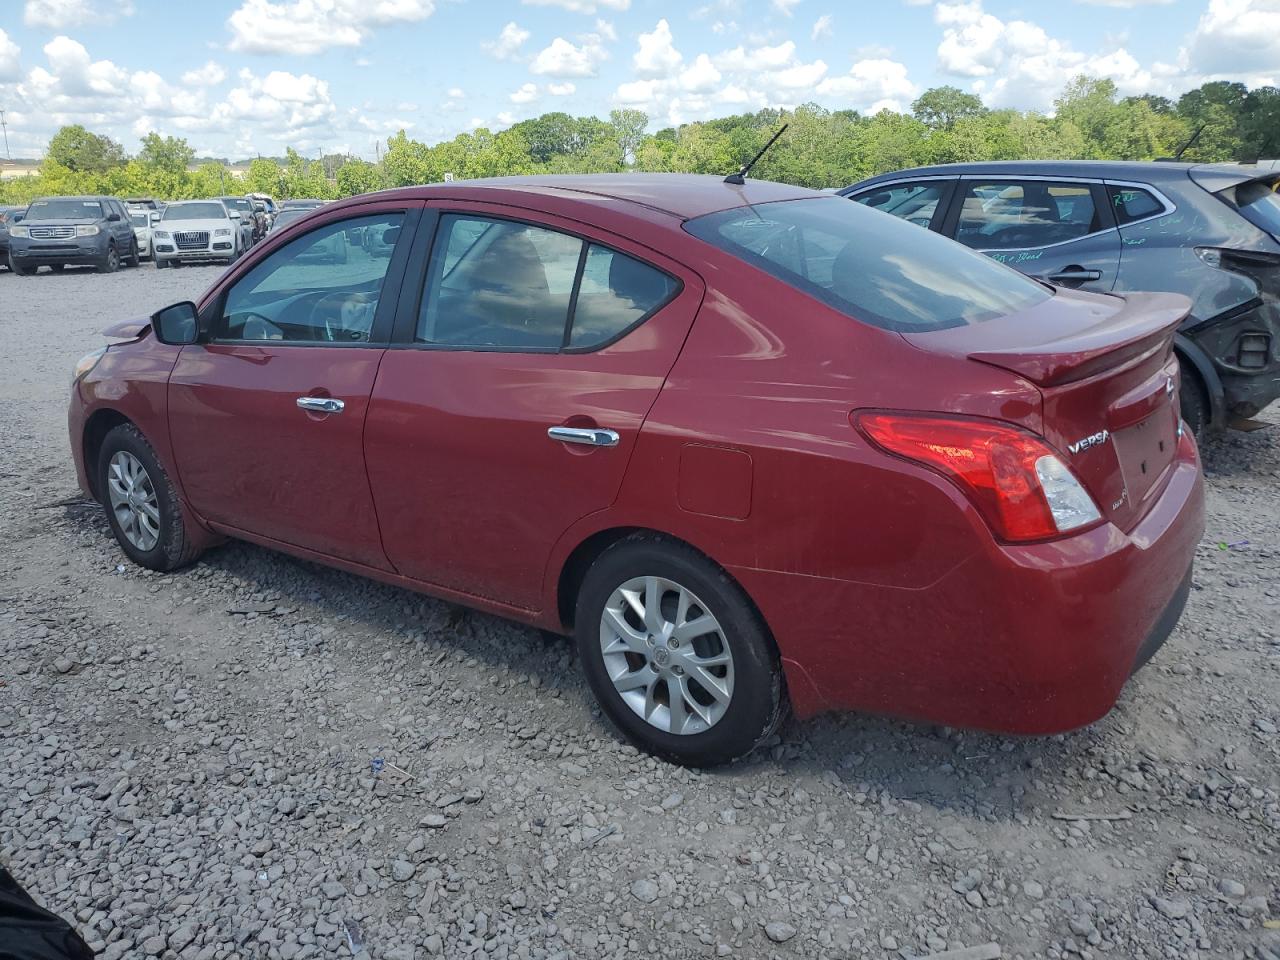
x=756 y=59
x=526 y=94
x=560 y=89
x=1234 y=38
x=784 y=6
x=656 y=55
x=60 y=14
x=510 y=39
x=310 y=26
x=821 y=27
x=701 y=77
x=9 y=56
x=210 y=75
x=871 y=86
x=456 y=93
x=581 y=6
x=564 y=59
x=1126 y=3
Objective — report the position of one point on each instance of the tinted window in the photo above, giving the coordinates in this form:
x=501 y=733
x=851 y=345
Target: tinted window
x=1008 y=216
x=65 y=210
x=874 y=268
x=1260 y=205
x=1132 y=203
x=321 y=287
x=195 y=211
x=914 y=202
x=616 y=293
x=495 y=283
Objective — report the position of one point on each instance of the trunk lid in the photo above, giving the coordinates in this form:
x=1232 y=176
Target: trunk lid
x=1107 y=376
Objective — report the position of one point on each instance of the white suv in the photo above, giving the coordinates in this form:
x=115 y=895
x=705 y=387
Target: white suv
x=193 y=230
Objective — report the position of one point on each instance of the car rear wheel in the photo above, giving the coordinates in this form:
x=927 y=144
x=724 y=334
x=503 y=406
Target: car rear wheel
x=111 y=262
x=135 y=258
x=676 y=654
x=1194 y=402
x=57 y=267
x=142 y=506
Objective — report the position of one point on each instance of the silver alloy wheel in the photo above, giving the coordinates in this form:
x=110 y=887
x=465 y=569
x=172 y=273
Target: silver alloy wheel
x=666 y=655
x=133 y=500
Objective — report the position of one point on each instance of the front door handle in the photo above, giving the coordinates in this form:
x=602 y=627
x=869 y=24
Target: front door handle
x=321 y=404
x=1075 y=275
x=592 y=437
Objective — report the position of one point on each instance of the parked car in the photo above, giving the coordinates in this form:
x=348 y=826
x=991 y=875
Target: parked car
x=1210 y=231
x=288 y=215
x=61 y=231
x=141 y=218
x=8 y=216
x=194 y=230
x=252 y=226
x=749 y=444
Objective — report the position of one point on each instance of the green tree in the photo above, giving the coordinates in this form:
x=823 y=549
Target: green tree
x=80 y=151
x=1260 y=124
x=360 y=176
x=628 y=129
x=940 y=108
x=170 y=154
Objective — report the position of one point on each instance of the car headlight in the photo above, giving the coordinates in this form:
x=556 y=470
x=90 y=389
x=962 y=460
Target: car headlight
x=17 y=230
x=88 y=362
x=87 y=230
x=222 y=232
x=160 y=234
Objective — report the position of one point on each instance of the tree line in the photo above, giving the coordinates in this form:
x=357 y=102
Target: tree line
x=822 y=148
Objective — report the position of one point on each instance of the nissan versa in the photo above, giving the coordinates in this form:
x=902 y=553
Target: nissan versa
x=1210 y=231
x=750 y=444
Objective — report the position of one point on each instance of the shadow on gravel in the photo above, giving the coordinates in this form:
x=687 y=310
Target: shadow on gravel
x=1236 y=454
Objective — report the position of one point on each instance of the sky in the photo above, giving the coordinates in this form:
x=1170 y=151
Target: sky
x=239 y=78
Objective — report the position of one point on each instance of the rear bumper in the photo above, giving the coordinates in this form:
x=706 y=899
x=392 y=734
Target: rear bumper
x=1032 y=639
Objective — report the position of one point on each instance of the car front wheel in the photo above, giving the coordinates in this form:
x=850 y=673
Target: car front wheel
x=676 y=654
x=111 y=262
x=142 y=506
x=19 y=268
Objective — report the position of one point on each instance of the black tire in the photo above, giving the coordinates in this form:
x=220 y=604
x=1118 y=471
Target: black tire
x=160 y=264
x=111 y=262
x=1194 y=402
x=19 y=268
x=757 y=703
x=134 y=259
x=173 y=547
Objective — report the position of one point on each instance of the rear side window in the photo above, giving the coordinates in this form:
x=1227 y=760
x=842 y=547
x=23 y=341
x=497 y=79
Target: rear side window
x=505 y=285
x=1007 y=215
x=873 y=268
x=1259 y=203
x=914 y=202
x=1133 y=203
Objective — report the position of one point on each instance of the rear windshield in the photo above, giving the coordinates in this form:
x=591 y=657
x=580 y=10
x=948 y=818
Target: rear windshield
x=195 y=211
x=238 y=202
x=870 y=265
x=1260 y=204
x=59 y=209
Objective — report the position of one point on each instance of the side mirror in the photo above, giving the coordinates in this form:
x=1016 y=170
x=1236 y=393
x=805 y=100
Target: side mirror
x=176 y=325
x=113 y=217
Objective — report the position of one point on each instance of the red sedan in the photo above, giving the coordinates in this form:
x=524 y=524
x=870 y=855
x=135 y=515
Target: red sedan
x=752 y=445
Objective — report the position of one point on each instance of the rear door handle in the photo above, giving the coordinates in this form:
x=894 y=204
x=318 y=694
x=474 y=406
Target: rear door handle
x=321 y=404
x=592 y=437
x=1075 y=275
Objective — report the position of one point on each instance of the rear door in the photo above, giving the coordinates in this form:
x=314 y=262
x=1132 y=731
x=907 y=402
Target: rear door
x=511 y=405
x=1060 y=231
x=267 y=416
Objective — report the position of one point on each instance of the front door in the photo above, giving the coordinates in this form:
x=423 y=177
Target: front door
x=267 y=416
x=1062 y=232
x=514 y=405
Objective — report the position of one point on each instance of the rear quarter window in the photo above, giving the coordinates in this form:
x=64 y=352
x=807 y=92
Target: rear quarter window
x=870 y=266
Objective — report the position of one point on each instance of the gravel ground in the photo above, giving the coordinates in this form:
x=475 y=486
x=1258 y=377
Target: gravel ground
x=258 y=757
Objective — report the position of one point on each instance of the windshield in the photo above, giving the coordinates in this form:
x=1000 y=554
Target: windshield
x=195 y=211
x=60 y=209
x=869 y=265
x=1260 y=204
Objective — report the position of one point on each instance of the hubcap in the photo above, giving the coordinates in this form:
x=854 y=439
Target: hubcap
x=666 y=655
x=133 y=500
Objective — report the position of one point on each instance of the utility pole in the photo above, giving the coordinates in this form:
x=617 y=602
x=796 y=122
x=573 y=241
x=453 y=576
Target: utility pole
x=5 y=127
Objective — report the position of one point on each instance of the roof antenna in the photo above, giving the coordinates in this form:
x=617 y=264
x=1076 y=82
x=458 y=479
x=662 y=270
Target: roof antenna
x=739 y=178
x=1190 y=143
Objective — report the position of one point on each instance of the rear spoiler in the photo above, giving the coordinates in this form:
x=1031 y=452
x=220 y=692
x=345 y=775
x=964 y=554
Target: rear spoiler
x=1216 y=177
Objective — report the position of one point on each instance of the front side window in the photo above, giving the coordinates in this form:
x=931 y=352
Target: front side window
x=1004 y=215
x=322 y=287
x=875 y=269
x=500 y=284
x=914 y=202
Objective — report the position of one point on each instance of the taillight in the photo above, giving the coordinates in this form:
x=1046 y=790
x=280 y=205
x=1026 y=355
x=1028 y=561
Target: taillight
x=1017 y=481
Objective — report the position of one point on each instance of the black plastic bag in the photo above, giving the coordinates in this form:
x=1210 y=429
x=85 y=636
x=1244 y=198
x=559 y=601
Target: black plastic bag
x=29 y=932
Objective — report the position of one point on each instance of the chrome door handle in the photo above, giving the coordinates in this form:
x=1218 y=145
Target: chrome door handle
x=321 y=404
x=592 y=438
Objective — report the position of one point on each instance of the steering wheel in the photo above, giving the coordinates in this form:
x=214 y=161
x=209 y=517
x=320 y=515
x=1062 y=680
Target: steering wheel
x=254 y=326
x=348 y=317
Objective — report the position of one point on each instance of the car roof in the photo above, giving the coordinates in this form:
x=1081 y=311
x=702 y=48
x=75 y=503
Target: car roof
x=681 y=195
x=1144 y=171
